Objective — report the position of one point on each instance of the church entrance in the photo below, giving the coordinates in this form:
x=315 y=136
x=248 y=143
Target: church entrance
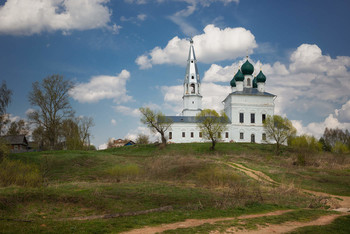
x=252 y=138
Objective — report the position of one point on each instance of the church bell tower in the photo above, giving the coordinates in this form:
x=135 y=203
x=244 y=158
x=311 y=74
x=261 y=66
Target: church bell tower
x=192 y=98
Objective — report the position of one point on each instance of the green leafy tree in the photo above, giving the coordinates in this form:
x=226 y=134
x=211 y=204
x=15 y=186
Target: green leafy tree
x=278 y=129
x=156 y=121
x=142 y=139
x=211 y=124
x=70 y=133
x=332 y=137
x=52 y=99
x=5 y=100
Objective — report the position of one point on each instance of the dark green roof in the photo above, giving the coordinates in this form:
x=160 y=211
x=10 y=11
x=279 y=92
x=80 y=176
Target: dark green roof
x=239 y=76
x=233 y=82
x=255 y=84
x=261 y=78
x=247 y=68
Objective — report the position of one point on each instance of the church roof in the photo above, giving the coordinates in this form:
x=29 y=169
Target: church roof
x=185 y=119
x=252 y=92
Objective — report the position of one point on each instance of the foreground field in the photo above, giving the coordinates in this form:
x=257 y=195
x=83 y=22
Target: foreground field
x=134 y=187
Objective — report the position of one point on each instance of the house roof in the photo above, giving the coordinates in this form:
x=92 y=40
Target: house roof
x=16 y=139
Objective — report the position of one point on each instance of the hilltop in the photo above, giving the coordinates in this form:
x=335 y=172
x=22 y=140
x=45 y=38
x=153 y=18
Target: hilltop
x=126 y=188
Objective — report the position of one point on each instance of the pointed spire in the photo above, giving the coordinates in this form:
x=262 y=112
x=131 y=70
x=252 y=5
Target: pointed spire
x=192 y=75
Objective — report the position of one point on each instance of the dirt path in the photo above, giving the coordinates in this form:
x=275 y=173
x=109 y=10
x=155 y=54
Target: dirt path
x=197 y=222
x=339 y=203
x=288 y=226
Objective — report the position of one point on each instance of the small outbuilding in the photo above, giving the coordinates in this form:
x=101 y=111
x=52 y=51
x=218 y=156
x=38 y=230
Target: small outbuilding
x=17 y=143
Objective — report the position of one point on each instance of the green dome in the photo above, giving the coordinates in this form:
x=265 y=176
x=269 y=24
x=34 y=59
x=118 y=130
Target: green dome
x=239 y=76
x=247 y=68
x=261 y=77
x=233 y=82
x=255 y=84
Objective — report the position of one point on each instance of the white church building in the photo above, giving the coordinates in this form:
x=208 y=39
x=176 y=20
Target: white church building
x=246 y=106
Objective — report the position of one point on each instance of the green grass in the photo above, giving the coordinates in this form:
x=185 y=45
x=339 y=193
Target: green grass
x=189 y=177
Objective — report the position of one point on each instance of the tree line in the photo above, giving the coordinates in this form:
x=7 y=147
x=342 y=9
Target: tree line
x=52 y=123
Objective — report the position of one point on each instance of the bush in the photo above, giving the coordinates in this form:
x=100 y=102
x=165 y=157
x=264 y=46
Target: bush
x=13 y=172
x=217 y=176
x=305 y=143
x=142 y=139
x=124 y=171
x=4 y=150
x=340 y=148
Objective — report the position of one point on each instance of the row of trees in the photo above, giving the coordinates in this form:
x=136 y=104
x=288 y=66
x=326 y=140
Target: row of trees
x=52 y=120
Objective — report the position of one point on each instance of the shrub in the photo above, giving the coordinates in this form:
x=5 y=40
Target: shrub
x=14 y=172
x=305 y=143
x=124 y=171
x=142 y=139
x=4 y=150
x=340 y=148
x=217 y=176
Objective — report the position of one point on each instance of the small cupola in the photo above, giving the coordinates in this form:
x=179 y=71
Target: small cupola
x=255 y=84
x=233 y=82
x=261 y=78
x=247 y=68
x=239 y=76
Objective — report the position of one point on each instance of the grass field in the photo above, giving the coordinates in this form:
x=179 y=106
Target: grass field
x=188 y=177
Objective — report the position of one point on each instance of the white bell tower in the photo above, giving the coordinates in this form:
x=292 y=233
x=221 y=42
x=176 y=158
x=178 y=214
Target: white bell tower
x=192 y=98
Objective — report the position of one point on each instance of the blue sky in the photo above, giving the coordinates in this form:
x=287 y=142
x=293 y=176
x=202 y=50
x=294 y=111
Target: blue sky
x=130 y=53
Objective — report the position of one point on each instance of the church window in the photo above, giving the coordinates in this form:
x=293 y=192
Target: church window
x=191 y=134
x=192 y=77
x=248 y=82
x=192 y=61
x=170 y=135
x=226 y=134
x=252 y=138
x=264 y=136
x=192 y=102
x=263 y=117
x=193 y=88
x=241 y=135
x=200 y=134
x=183 y=134
x=252 y=118
x=241 y=117
x=219 y=135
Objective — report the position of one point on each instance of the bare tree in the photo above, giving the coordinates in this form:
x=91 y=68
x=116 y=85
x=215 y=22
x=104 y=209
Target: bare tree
x=156 y=121
x=5 y=100
x=52 y=98
x=85 y=124
x=19 y=127
x=211 y=124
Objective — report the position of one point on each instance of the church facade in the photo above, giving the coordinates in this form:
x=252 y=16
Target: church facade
x=246 y=106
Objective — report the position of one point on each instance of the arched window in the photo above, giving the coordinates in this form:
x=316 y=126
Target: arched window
x=248 y=82
x=252 y=138
x=193 y=90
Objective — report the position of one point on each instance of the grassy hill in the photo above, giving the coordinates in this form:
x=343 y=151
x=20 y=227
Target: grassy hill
x=190 y=178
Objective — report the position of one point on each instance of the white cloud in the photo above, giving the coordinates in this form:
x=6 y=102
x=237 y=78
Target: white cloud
x=343 y=114
x=103 y=146
x=103 y=87
x=127 y=111
x=141 y=17
x=23 y=17
x=113 y=122
x=213 y=45
x=132 y=134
